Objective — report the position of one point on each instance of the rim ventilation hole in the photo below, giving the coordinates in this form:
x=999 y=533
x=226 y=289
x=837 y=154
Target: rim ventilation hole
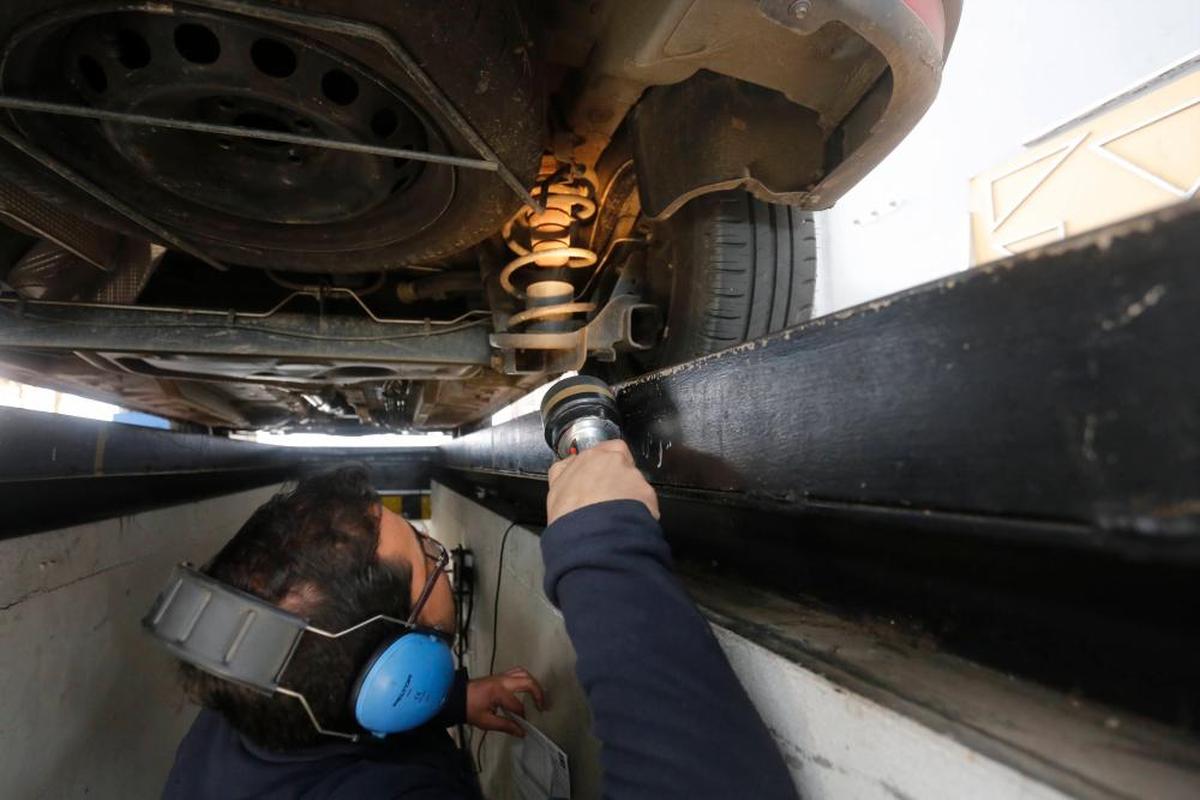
x=273 y=58
x=197 y=43
x=93 y=74
x=384 y=123
x=401 y=163
x=339 y=87
x=132 y=50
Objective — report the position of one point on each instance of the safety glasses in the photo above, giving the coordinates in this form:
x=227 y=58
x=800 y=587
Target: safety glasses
x=434 y=551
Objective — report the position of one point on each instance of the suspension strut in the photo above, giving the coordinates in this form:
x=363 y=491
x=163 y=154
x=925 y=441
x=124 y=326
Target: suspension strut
x=545 y=241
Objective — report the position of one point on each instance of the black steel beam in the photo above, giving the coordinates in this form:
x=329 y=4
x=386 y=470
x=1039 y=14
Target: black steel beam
x=895 y=462
x=1051 y=395
x=61 y=326
x=57 y=470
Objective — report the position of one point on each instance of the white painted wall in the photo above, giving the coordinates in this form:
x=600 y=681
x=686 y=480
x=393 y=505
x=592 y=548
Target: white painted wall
x=1017 y=68
x=89 y=706
x=530 y=633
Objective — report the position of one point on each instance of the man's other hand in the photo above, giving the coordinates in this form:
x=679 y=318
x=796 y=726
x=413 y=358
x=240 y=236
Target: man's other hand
x=605 y=472
x=486 y=696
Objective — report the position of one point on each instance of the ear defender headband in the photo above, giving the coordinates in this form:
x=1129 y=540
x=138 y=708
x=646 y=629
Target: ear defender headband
x=244 y=639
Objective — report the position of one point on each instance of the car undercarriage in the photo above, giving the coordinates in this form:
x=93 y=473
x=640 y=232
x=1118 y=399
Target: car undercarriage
x=345 y=216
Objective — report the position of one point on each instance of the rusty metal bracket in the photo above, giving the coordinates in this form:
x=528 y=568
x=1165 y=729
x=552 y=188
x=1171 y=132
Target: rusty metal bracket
x=89 y=187
x=614 y=328
x=712 y=132
x=89 y=242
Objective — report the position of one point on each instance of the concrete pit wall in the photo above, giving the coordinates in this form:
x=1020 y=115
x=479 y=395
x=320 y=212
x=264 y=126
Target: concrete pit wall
x=89 y=706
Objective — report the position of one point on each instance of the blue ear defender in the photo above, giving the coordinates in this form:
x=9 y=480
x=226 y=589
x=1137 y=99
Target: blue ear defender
x=405 y=683
x=244 y=639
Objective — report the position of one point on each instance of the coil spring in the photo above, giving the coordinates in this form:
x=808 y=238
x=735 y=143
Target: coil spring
x=567 y=197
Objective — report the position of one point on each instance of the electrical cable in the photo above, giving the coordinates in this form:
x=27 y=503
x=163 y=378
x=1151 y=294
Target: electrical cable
x=495 y=629
x=462 y=624
x=496 y=596
x=309 y=289
x=463 y=621
x=587 y=287
x=466 y=622
x=612 y=181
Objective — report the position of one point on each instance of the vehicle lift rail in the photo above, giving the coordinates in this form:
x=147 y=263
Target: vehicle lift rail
x=1007 y=459
x=1051 y=397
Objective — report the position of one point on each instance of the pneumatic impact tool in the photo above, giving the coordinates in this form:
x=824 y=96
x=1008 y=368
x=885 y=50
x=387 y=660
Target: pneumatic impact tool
x=578 y=413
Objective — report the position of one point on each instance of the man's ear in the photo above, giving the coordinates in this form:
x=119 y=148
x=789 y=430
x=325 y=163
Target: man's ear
x=397 y=539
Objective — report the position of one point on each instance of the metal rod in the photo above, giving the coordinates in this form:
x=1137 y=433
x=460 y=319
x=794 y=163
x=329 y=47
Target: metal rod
x=240 y=315
x=382 y=37
x=313 y=717
x=112 y=201
x=87 y=112
x=291 y=336
x=353 y=628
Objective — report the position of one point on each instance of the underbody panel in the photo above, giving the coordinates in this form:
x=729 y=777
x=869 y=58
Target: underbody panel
x=341 y=215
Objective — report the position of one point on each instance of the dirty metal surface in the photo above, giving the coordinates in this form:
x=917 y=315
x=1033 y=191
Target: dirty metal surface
x=65 y=326
x=1048 y=396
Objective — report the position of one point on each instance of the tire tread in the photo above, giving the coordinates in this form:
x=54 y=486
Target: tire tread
x=751 y=271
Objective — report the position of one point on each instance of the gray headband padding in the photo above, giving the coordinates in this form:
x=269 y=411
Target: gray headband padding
x=224 y=631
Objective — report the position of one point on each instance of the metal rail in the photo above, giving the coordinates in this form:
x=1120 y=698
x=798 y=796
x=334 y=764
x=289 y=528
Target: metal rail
x=57 y=470
x=1051 y=396
x=184 y=314
x=133 y=329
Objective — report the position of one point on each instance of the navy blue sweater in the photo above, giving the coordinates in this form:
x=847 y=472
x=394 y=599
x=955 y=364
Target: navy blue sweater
x=671 y=715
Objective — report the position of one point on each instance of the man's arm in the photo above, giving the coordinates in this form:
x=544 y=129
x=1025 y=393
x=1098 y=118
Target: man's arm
x=673 y=718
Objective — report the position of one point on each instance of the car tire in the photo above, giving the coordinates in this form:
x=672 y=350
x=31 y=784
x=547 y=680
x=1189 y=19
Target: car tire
x=728 y=268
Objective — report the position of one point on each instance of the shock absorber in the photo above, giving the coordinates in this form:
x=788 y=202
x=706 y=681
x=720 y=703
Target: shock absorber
x=545 y=241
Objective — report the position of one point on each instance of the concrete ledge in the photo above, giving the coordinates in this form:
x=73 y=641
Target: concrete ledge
x=861 y=709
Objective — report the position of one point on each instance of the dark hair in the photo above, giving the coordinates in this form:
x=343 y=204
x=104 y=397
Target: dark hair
x=311 y=551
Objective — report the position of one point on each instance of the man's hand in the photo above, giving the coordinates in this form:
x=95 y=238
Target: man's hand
x=486 y=696
x=605 y=472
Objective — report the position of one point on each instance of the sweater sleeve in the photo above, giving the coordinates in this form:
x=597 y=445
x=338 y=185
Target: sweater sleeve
x=672 y=717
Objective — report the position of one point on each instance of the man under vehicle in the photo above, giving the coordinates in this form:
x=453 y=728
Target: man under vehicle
x=671 y=716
